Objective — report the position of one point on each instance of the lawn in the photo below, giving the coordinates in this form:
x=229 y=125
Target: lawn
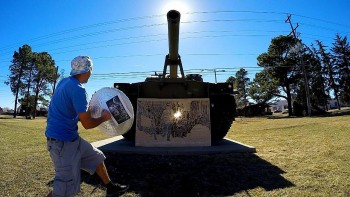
x=295 y=157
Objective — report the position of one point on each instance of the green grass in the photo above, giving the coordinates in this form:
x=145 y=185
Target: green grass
x=314 y=152
x=295 y=157
x=26 y=167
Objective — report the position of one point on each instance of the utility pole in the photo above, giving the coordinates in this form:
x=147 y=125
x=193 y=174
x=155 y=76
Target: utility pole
x=308 y=103
x=215 y=71
x=215 y=75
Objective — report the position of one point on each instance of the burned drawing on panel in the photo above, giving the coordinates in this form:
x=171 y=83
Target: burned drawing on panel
x=171 y=118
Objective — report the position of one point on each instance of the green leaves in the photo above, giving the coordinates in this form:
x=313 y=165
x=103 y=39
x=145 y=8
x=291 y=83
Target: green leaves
x=30 y=74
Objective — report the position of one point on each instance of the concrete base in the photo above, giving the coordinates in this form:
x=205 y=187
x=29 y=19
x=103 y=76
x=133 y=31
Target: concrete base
x=119 y=145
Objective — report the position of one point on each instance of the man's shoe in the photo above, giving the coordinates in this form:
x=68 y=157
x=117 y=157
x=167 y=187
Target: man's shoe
x=116 y=189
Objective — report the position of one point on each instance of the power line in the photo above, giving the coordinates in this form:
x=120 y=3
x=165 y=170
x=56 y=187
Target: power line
x=127 y=20
x=157 y=35
x=162 y=54
x=325 y=21
x=155 y=40
x=146 y=26
x=235 y=11
x=325 y=28
x=161 y=15
x=235 y=20
x=147 y=41
x=44 y=44
x=85 y=27
x=193 y=70
x=137 y=37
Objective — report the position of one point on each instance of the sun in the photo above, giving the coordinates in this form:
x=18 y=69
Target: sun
x=180 y=6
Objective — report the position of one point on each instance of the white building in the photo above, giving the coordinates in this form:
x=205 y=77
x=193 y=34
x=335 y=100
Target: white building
x=282 y=105
x=279 y=106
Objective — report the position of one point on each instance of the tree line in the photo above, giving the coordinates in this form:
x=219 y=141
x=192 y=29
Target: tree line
x=32 y=78
x=291 y=70
x=296 y=72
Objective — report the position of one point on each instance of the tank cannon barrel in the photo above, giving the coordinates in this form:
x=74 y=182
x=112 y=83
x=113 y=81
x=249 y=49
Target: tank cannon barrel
x=173 y=34
x=173 y=58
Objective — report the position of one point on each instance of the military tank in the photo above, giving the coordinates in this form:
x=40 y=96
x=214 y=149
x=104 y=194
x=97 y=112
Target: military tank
x=180 y=86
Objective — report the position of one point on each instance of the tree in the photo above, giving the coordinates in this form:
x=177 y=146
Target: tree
x=27 y=104
x=315 y=80
x=281 y=62
x=318 y=91
x=263 y=88
x=43 y=75
x=329 y=70
x=341 y=55
x=231 y=79
x=18 y=70
x=241 y=83
x=31 y=75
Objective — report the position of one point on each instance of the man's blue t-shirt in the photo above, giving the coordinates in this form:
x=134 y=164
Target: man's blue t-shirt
x=68 y=101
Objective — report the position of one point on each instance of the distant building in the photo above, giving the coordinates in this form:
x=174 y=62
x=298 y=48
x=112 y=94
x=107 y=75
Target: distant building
x=279 y=106
x=40 y=111
x=1 y=110
x=333 y=104
x=282 y=105
x=255 y=110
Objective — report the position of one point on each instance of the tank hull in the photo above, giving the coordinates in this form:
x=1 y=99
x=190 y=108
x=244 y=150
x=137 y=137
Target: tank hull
x=222 y=102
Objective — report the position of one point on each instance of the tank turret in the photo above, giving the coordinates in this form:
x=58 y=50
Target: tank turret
x=222 y=104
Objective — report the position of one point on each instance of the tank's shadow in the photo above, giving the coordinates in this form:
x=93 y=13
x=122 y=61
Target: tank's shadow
x=200 y=175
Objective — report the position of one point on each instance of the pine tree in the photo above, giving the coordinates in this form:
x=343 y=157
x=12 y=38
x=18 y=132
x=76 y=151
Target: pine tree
x=329 y=70
x=281 y=62
x=341 y=55
x=18 y=72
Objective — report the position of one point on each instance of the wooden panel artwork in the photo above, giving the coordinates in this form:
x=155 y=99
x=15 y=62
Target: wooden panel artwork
x=173 y=122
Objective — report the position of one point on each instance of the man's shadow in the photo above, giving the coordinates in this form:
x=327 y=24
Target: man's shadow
x=192 y=175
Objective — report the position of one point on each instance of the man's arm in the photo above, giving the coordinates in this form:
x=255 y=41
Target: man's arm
x=89 y=122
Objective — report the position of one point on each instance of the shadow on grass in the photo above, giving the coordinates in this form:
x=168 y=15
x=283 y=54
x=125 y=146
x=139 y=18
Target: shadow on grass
x=200 y=175
x=338 y=113
x=281 y=117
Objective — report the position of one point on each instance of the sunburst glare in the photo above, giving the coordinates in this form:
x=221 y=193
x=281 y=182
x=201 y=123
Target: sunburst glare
x=182 y=7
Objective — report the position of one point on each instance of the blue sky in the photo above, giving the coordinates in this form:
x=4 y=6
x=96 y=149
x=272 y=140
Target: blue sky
x=131 y=36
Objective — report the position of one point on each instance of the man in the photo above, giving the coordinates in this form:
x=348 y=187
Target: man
x=69 y=152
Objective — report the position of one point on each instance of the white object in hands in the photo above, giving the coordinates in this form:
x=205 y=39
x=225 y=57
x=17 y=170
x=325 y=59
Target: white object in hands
x=120 y=107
